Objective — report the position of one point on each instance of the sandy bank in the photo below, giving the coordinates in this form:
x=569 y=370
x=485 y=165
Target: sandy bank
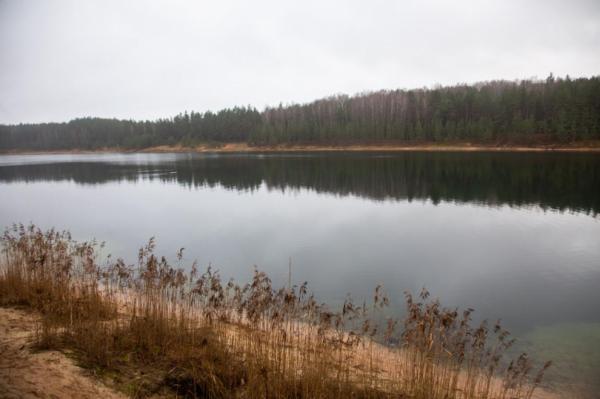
x=243 y=147
x=246 y=148
x=25 y=373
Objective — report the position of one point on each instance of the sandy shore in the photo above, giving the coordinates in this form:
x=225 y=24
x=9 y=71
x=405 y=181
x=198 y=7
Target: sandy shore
x=25 y=373
x=246 y=148
x=243 y=147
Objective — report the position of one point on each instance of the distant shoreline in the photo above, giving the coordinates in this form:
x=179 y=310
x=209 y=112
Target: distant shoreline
x=245 y=148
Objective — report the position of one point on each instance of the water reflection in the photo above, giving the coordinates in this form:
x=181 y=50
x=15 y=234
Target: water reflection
x=513 y=235
x=551 y=181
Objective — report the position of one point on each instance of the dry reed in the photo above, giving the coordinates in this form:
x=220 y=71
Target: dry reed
x=154 y=328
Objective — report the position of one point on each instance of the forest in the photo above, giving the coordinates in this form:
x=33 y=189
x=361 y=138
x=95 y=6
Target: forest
x=527 y=112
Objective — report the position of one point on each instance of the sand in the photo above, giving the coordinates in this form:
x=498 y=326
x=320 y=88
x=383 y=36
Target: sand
x=245 y=148
x=25 y=373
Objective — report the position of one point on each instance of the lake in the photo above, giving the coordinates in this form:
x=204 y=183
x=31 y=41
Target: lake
x=514 y=235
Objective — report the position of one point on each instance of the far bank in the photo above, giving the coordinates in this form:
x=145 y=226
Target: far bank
x=242 y=147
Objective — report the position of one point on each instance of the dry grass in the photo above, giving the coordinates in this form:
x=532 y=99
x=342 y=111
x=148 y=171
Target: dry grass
x=158 y=329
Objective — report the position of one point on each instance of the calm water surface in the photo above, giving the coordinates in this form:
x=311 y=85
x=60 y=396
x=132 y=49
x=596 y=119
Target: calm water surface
x=514 y=235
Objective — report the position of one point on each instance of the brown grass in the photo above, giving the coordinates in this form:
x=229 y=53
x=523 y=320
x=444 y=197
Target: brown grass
x=156 y=329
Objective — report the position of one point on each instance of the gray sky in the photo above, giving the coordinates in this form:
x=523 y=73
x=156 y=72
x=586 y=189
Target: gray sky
x=146 y=59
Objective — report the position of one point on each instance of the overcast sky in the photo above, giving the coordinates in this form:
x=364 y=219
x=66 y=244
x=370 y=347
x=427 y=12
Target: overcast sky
x=147 y=59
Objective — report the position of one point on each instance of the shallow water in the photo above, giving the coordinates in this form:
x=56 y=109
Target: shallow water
x=514 y=235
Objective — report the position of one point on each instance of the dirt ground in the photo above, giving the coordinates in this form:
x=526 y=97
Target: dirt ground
x=49 y=374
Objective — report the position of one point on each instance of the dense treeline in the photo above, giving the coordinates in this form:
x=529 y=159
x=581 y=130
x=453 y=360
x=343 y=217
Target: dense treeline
x=229 y=125
x=500 y=111
x=553 y=110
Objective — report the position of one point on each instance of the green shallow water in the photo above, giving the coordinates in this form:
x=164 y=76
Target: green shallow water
x=575 y=350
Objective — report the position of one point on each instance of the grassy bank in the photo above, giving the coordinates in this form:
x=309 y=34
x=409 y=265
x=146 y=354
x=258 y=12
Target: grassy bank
x=153 y=328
